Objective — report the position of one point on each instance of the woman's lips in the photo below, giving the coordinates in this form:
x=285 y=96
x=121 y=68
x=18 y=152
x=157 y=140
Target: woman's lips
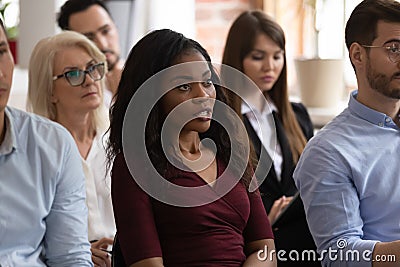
x=90 y=94
x=204 y=113
x=267 y=79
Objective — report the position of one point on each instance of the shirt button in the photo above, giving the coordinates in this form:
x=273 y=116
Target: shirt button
x=380 y=124
x=388 y=119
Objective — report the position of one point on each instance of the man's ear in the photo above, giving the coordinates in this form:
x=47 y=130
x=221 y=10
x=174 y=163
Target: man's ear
x=357 y=54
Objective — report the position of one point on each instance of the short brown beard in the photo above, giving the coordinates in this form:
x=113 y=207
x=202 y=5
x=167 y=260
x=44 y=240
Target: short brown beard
x=381 y=83
x=111 y=66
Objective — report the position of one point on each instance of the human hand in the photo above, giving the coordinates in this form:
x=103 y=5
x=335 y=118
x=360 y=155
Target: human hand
x=100 y=257
x=277 y=207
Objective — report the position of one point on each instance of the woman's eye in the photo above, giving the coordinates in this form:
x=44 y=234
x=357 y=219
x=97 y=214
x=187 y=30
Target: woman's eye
x=73 y=73
x=208 y=83
x=257 y=57
x=183 y=87
x=279 y=55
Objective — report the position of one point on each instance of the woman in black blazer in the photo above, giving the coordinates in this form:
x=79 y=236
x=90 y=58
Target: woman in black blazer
x=256 y=46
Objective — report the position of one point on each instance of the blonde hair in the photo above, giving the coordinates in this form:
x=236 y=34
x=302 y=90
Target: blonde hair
x=41 y=84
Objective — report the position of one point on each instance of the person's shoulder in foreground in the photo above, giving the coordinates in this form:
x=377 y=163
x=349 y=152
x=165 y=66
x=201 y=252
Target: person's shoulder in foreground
x=43 y=212
x=346 y=174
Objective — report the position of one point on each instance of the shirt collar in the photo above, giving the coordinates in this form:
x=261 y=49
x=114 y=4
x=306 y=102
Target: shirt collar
x=10 y=141
x=368 y=114
x=249 y=108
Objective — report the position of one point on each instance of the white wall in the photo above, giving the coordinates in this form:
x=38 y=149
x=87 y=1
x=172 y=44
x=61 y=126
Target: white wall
x=37 y=20
x=135 y=18
x=177 y=15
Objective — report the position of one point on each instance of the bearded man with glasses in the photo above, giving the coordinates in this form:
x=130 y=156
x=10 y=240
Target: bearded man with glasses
x=66 y=84
x=348 y=175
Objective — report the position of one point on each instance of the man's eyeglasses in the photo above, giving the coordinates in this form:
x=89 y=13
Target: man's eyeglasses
x=78 y=77
x=392 y=50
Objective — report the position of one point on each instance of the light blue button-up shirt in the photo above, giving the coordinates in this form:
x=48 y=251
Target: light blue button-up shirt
x=349 y=179
x=43 y=216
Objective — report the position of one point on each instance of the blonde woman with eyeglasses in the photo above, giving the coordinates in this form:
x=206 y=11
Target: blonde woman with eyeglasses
x=66 y=84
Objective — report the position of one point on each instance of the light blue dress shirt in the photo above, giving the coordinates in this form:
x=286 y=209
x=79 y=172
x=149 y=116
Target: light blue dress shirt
x=43 y=216
x=349 y=179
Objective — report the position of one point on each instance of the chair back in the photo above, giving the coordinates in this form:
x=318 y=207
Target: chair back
x=117 y=259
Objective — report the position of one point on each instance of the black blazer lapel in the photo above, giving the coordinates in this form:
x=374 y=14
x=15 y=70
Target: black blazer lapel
x=270 y=189
x=287 y=164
